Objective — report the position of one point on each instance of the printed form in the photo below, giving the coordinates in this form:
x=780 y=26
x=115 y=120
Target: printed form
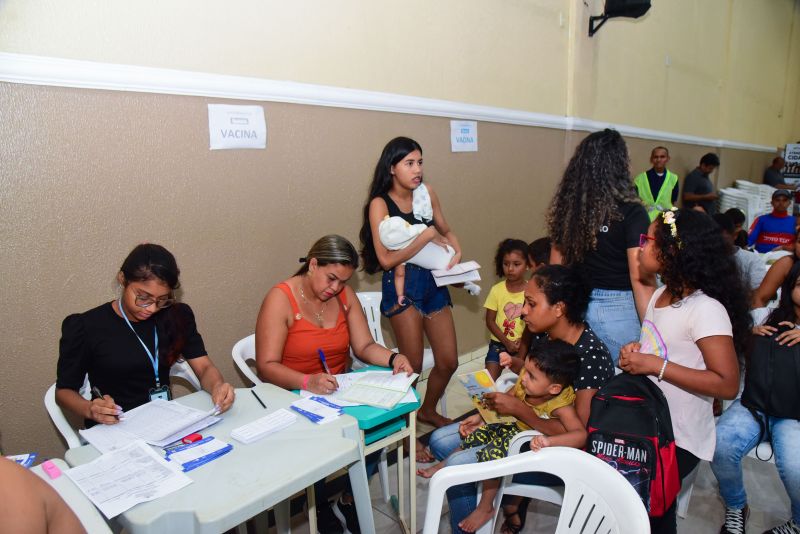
x=121 y=479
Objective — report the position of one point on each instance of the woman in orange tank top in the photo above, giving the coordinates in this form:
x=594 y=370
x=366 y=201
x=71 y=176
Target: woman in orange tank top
x=312 y=311
x=309 y=312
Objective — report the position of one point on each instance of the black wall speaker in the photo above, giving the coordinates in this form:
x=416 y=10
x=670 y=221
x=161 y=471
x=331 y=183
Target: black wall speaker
x=626 y=8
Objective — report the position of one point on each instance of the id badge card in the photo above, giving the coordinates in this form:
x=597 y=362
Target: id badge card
x=161 y=393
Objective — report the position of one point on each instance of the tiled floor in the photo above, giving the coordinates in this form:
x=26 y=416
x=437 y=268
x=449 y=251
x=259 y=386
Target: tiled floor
x=769 y=503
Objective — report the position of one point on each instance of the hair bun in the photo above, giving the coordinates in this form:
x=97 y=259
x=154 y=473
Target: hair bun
x=303 y=260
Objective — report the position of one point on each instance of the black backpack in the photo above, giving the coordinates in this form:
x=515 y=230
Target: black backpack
x=631 y=430
x=772 y=381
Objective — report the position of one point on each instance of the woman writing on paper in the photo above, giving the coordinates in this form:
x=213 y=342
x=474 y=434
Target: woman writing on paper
x=127 y=346
x=316 y=310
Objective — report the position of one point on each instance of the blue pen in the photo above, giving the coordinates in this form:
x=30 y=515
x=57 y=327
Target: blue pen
x=324 y=363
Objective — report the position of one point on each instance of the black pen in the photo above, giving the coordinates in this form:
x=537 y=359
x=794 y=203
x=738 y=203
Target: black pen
x=258 y=399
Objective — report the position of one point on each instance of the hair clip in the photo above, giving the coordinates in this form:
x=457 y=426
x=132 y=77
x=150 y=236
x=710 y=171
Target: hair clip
x=669 y=218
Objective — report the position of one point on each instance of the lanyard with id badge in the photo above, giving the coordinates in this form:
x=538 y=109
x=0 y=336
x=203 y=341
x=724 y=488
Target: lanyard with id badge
x=158 y=392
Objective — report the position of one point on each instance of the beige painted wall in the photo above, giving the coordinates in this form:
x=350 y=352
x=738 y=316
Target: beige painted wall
x=724 y=69
x=86 y=175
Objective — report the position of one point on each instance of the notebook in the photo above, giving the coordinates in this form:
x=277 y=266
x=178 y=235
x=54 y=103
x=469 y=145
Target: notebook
x=477 y=384
x=379 y=388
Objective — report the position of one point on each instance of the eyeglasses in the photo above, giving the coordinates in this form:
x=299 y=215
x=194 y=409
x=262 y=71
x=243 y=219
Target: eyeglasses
x=643 y=239
x=145 y=301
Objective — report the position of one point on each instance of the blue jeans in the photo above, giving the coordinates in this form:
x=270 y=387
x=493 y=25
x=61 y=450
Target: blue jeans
x=461 y=499
x=493 y=352
x=613 y=317
x=420 y=290
x=737 y=434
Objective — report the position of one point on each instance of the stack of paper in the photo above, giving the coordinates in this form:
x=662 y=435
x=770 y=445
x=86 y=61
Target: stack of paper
x=463 y=272
x=260 y=428
x=118 y=480
x=201 y=452
x=317 y=410
x=159 y=422
x=378 y=388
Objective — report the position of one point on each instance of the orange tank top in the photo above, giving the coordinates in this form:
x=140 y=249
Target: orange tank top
x=304 y=338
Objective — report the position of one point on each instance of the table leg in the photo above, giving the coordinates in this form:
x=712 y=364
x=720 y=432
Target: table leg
x=401 y=495
x=412 y=470
x=360 y=485
x=282 y=517
x=311 y=499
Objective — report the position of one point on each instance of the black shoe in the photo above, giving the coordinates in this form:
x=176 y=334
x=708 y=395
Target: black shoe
x=347 y=514
x=327 y=522
x=735 y=520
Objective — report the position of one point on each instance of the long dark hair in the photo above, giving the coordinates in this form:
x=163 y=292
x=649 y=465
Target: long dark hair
x=153 y=262
x=786 y=307
x=697 y=257
x=564 y=284
x=394 y=152
x=595 y=182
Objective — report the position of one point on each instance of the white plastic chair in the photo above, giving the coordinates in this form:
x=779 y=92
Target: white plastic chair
x=370 y=302
x=595 y=494
x=244 y=351
x=179 y=369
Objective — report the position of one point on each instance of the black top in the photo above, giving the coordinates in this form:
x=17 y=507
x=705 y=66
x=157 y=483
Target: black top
x=394 y=211
x=99 y=343
x=698 y=183
x=596 y=366
x=657 y=181
x=606 y=267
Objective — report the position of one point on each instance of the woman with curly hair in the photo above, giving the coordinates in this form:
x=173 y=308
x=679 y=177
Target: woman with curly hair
x=594 y=222
x=701 y=315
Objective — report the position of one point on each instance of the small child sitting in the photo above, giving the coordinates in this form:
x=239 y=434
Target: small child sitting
x=545 y=385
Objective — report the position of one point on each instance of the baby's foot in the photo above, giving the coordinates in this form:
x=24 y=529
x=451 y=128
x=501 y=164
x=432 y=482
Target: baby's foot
x=401 y=300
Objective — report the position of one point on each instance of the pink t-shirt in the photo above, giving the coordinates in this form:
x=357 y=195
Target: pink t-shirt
x=681 y=325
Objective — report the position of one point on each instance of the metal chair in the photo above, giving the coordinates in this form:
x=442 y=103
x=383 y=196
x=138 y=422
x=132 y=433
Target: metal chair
x=596 y=497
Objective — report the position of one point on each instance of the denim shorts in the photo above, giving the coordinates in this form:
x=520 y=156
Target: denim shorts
x=420 y=290
x=493 y=354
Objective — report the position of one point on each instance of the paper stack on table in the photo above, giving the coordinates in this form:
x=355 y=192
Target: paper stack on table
x=463 y=272
x=261 y=428
x=118 y=480
x=158 y=422
x=378 y=388
x=317 y=409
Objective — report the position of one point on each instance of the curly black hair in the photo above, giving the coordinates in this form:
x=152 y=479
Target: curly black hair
x=596 y=181
x=698 y=257
x=564 y=284
x=786 y=306
x=508 y=246
x=558 y=360
x=539 y=250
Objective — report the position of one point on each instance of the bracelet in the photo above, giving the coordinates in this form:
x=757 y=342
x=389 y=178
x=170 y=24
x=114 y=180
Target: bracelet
x=663 y=368
x=392 y=356
x=305 y=382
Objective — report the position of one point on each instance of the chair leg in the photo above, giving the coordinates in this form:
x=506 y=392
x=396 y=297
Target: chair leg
x=443 y=404
x=383 y=473
x=685 y=494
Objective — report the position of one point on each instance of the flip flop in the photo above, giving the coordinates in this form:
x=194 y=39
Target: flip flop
x=521 y=513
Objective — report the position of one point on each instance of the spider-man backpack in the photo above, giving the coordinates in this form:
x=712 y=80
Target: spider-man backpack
x=630 y=429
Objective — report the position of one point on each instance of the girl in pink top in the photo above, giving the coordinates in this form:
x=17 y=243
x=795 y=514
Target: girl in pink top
x=692 y=330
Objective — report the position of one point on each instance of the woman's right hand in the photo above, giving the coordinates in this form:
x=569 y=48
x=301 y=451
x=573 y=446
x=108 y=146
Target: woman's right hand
x=505 y=360
x=104 y=411
x=322 y=383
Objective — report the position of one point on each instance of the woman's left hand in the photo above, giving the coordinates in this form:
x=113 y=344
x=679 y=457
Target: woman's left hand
x=637 y=363
x=455 y=260
x=223 y=396
x=401 y=365
x=788 y=337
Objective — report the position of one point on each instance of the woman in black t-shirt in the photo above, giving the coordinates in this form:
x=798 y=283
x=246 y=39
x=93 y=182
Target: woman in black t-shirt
x=595 y=220
x=127 y=346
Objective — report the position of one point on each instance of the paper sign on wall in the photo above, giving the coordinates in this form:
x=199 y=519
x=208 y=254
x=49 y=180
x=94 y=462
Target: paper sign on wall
x=236 y=127
x=791 y=170
x=464 y=136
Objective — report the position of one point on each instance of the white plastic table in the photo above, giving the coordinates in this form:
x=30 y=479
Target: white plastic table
x=88 y=515
x=255 y=477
